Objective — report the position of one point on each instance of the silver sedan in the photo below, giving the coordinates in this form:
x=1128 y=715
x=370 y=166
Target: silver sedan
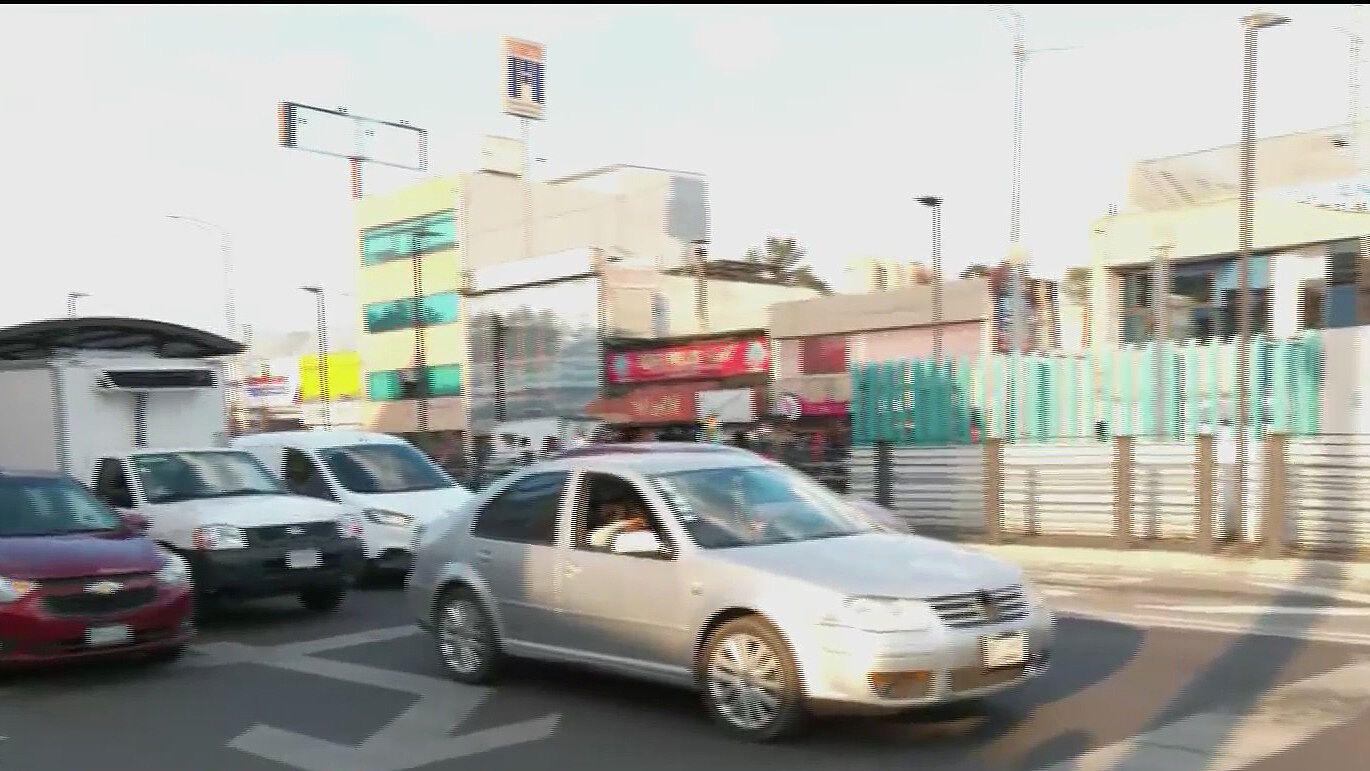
x=725 y=573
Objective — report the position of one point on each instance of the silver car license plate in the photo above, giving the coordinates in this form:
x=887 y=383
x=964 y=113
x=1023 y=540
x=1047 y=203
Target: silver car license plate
x=104 y=636
x=303 y=558
x=1006 y=650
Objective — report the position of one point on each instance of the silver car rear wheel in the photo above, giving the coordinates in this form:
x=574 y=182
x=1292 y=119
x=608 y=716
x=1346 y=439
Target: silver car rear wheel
x=749 y=680
x=466 y=637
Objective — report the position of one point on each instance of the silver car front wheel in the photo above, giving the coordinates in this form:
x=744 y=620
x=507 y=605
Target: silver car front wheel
x=466 y=637
x=750 y=683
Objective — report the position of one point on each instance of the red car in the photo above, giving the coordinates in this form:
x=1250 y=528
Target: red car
x=79 y=581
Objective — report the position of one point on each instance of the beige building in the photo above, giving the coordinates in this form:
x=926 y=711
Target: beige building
x=418 y=247
x=1306 y=272
x=815 y=341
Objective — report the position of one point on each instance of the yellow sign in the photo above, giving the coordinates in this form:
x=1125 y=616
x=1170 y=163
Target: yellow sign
x=344 y=376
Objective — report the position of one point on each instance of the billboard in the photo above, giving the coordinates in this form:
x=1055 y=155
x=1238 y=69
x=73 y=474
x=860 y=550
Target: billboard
x=524 y=92
x=714 y=359
x=336 y=133
x=271 y=384
x=543 y=343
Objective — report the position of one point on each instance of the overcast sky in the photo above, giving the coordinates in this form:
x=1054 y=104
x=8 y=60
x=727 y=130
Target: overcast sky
x=819 y=123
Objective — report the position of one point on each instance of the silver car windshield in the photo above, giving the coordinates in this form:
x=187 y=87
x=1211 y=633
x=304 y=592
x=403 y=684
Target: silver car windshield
x=754 y=505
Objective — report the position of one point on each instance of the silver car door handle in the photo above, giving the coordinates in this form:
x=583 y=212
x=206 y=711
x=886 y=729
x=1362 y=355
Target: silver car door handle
x=484 y=555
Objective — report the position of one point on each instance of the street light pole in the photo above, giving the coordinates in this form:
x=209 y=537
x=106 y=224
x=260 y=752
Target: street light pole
x=226 y=258
x=72 y=297
x=322 y=331
x=1250 y=26
x=935 y=204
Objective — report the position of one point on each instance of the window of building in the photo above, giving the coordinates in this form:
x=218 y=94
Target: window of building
x=823 y=355
x=1339 y=301
x=436 y=309
x=401 y=240
x=1201 y=303
x=397 y=384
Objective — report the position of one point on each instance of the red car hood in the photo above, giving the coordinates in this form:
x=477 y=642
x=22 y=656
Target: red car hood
x=78 y=555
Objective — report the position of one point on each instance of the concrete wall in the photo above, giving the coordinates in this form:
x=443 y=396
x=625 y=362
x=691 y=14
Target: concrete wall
x=962 y=300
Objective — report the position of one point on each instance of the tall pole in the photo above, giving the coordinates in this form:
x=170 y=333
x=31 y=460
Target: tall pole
x=420 y=351
x=322 y=335
x=1250 y=26
x=230 y=304
x=935 y=204
x=1160 y=303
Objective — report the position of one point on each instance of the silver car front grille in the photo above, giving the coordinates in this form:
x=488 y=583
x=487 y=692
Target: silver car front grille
x=972 y=609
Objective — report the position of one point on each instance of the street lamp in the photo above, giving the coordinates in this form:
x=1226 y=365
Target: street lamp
x=935 y=204
x=1250 y=26
x=322 y=332
x=72 y=297
x=226 y=256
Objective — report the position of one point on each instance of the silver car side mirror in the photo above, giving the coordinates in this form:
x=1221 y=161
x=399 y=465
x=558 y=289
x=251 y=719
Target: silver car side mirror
x=641 y=543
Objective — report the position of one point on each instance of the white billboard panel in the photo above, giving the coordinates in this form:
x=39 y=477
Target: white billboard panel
x=336 y=133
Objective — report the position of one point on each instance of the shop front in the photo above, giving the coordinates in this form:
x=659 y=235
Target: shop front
x=709 y=389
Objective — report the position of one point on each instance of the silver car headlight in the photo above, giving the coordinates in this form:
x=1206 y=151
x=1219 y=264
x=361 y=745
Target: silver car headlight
x=175 y=571
x=390 y=518
x=882 y=614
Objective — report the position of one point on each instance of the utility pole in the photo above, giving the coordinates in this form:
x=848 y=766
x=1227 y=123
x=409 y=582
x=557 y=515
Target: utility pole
x=72 y=297
x=1250 y=26
x=935 y=204
x=322 y=332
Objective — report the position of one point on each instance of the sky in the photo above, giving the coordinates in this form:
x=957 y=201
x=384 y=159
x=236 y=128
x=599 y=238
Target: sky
x=820 y=123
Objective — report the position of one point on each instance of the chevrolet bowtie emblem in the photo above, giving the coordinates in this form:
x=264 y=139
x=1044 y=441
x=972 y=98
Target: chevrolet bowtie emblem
x=104 y=587
x=986 y=606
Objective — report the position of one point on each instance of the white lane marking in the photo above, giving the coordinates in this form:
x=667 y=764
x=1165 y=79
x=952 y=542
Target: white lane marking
x=1193 y=624
x=1316 y=591
x=1284 y=718
x=1259 y=610
x=419 y=736
x=1103 y=580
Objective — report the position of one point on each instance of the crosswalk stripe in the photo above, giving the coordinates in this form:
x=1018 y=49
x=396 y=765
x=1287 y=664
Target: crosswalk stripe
x=1284 y=718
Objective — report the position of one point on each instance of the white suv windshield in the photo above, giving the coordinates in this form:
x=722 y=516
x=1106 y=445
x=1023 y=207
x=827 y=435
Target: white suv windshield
x=755 y=505
x=383 y=468
x=182 y=476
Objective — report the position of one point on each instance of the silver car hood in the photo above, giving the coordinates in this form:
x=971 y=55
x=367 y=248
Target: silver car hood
x=877 y=564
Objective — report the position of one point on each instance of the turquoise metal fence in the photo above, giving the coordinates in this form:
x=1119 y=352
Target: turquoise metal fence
x=1040 y=398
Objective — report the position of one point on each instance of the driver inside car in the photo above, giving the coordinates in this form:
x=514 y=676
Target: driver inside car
x=613 y=517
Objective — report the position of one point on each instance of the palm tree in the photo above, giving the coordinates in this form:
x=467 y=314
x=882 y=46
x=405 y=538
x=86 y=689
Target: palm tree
x=778 y=260
x=978 y=270
x=1075 y=285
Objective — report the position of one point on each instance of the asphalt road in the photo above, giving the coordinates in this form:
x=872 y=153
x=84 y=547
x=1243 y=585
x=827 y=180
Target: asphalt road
x=1270 y=687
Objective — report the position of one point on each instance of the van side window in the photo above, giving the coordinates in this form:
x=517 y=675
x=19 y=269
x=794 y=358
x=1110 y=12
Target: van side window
x=303 y=477
x=111 y=484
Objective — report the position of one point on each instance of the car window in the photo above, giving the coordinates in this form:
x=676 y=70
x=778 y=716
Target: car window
x=609 y=506
x=525 y=512
x=303 y=477
x=755 y=505
x=35 y=507
x=384 y=468
x=111 y=484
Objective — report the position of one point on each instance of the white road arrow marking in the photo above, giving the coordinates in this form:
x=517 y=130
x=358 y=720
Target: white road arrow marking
x=419 y=736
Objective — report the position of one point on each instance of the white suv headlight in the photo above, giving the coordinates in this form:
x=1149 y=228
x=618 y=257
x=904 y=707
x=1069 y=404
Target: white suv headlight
x=13 y=589
x=882 y=614
x=175 y=571
x=391 y=518
x=215 y=537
